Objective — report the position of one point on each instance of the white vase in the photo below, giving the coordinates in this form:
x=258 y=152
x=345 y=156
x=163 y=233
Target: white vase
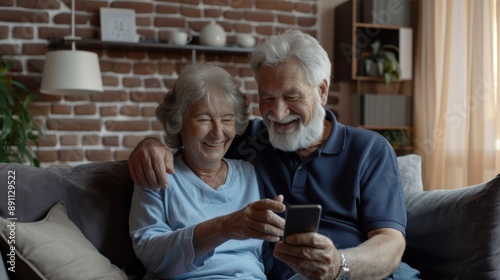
x=213 y=35
x=245 y=40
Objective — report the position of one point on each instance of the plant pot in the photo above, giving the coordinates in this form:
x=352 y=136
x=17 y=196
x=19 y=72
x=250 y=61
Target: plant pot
x=372 y=69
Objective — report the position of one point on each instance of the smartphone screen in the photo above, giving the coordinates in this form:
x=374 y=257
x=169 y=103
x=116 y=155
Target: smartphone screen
x=302 y=218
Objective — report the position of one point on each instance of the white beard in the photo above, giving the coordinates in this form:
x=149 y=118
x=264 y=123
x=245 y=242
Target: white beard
x=304 y=136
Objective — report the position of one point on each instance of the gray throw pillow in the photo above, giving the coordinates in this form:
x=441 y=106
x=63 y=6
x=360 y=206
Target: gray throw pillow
x=54 y=248
x=410 y=169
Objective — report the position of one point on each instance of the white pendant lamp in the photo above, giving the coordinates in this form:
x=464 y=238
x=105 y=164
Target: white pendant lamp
x=71 y=72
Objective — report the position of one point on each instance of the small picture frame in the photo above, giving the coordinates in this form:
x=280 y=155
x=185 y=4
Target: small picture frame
x=118 y=25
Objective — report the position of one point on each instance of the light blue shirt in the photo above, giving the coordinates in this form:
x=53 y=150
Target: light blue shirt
x=162 y=225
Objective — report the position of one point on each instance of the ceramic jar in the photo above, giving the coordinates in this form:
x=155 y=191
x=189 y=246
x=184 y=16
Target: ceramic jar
x=245 y=40
x=213 y=35
x=179 y=38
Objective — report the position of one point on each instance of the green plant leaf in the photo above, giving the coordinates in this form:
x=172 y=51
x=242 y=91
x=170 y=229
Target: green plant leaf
x=20 y=86
x=380 y=66
x=6 y=126
x=388 y=77
x=375 y=48
x=5 y=66
x=385 y=58
x=19 y=131
x=368 y=65
x=392 y=61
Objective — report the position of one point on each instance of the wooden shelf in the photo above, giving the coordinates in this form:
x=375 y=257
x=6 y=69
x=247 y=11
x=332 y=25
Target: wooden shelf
x=404 y=148
x=378 y=26
x=376 y=127
x=369 y=79
x=145 y=45
x=354 y=37
x=376 y=105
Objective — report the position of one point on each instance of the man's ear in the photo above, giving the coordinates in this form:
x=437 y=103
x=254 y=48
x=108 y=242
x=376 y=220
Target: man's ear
x=323 y=92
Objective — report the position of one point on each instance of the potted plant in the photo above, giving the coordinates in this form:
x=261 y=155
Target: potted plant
x=398 y=138
x=381 y=62
x=18 y=129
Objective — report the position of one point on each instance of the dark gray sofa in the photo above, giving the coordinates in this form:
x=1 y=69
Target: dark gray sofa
x=453 y=234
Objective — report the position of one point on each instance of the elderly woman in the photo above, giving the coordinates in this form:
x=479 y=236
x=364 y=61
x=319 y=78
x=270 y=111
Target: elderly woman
x=204 y=225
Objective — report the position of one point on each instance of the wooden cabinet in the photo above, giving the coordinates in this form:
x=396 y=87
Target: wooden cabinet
x=362 y=29
x=355 y=32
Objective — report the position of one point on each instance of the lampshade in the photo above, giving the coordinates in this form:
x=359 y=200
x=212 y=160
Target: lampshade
x=71 y=72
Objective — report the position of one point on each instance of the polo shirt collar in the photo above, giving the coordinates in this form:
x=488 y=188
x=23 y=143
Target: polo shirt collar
x=335 y=142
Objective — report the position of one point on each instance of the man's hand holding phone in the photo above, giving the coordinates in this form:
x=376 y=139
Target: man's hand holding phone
x=309 y=254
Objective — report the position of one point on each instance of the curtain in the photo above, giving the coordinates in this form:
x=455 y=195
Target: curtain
x=456 y=99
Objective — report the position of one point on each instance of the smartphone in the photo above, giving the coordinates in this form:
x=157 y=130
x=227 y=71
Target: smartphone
x=302 y=218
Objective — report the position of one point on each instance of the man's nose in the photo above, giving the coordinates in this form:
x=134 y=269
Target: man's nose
x=279 y=109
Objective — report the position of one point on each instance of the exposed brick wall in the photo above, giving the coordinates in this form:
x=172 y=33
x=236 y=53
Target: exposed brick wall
x=107 y=126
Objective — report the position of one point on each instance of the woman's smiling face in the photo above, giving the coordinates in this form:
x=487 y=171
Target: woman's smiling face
x=209 y=128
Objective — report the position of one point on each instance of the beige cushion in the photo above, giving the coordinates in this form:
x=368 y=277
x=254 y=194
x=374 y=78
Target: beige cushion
x=56 y=249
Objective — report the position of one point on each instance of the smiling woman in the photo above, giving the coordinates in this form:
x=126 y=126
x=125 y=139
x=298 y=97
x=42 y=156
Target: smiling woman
x=208 y=131
x=200 y=82
x=209 y=199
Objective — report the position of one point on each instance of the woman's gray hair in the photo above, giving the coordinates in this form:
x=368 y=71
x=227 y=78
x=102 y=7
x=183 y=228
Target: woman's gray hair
x=196 y=82
x=294 y=44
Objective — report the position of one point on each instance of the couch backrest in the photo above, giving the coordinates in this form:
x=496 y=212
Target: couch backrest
x=97 y=197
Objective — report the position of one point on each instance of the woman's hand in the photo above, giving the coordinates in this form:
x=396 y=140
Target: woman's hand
x=257 y=220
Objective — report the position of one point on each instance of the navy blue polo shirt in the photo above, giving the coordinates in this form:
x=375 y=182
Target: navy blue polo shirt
x=354 y=176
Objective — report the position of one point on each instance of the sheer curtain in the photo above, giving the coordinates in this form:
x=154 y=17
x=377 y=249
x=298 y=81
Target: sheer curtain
x=456 y=110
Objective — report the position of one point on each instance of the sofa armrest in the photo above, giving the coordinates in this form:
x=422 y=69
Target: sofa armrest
x=455 y=234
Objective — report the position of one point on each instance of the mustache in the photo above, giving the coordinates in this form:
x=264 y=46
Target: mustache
x=287 y=119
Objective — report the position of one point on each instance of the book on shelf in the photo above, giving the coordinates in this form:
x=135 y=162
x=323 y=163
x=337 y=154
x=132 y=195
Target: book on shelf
x=381 y=110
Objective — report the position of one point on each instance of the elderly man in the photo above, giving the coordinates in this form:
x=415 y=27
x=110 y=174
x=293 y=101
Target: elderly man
x=300 y=151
